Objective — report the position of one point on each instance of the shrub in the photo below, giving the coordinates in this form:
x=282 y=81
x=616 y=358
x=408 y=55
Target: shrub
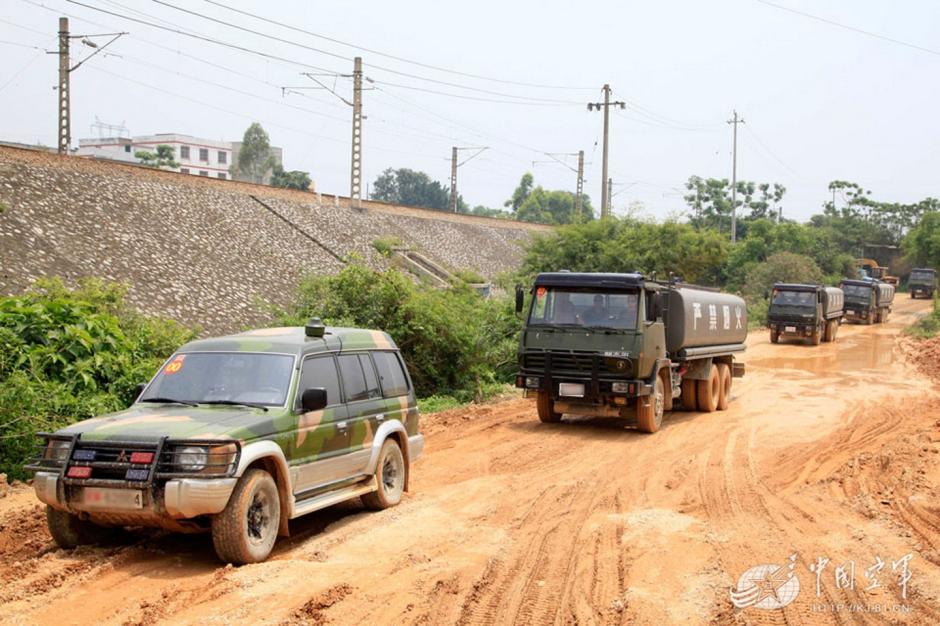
x=70 y=354
x=385 y=245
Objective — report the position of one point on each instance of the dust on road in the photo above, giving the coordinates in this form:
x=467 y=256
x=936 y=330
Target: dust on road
x=829 y=452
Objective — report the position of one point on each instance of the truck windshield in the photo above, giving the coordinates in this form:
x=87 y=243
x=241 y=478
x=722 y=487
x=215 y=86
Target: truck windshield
x=857 y=292
x=797 y=299
x=589 y=308
x=921 y=277
x=223 y=377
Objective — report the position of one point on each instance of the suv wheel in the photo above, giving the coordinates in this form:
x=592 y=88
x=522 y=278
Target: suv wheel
x=245 y=531
x=389 y=477
x=70 y=531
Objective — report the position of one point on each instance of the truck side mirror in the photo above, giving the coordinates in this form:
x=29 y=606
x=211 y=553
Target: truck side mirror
x=313 y=399
x=657 y=306
x=520 y=298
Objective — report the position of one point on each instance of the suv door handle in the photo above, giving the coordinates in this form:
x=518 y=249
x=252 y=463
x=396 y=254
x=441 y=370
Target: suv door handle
x=342 y=425
x=379 y=417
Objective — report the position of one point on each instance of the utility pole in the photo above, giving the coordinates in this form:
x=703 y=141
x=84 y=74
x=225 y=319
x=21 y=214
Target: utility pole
x=64 y=132
x=606 y=104
x=580 y=188
x=734 y=177
x=610 y=196
x=355 y=171
x=453 y=171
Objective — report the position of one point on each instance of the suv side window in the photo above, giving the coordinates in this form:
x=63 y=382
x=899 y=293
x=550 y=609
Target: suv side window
x=354 y=381
x=320 y=372
x=372 y=383
x=394 y=382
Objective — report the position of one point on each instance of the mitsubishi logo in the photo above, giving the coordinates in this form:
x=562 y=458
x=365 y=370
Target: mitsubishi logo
x=122 y=456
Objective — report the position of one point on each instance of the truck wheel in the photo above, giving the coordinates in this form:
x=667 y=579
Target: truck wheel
x=827 y=333
x=774 y=336
x=390 y=477
x=245 y=531
x=689 y=401
x=707 y=392
x=912 y=295
x=546 y=408
x=871 y=318
x=724 y=387
x=649 y=410
x=70 y=531
x=816 y=337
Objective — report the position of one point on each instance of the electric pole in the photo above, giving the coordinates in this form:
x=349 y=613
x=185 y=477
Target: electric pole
x=65 y=72
x=355 y=171
x=580 y=187
x=734 y=177
x=597 y=106
x=453 y=171
x=610 y=196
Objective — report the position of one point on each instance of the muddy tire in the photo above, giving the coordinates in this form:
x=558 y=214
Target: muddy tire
x=707 y=392
x=649 y=409
x=689 y=399
x=774 y=336
x=390 y=473
x=245 y=531
x=69 y=531
x=724 y=388
x=829 y=332
x=546 y=408
x=816 y=337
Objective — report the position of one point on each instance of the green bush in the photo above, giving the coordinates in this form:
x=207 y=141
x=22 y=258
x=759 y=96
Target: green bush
x=67 y=355
x=455 y=343
x=929 y=325
x=386 y=245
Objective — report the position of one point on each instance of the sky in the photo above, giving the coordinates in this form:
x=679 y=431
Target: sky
x=820 y=102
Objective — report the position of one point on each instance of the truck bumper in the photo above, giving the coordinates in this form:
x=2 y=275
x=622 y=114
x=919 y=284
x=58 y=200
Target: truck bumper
x=800 y=329
x=178 y=499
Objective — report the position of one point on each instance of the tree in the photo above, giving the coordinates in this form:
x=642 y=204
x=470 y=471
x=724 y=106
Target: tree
x=294 y=179
x=521 y=193
x=163 y=157
x=922 y=243
x=411 y=188
x=553 y=207
x=254 y=157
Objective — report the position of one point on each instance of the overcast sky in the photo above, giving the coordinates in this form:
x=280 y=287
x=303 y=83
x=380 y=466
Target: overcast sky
x=820 y=102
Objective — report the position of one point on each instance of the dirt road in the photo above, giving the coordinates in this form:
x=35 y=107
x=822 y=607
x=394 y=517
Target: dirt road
x=826 y=453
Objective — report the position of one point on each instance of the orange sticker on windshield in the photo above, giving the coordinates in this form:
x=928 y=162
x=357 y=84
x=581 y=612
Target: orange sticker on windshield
x=540 y=292
x=175 y=365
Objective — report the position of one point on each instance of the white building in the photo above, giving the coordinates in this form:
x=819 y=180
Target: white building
x=199 y=157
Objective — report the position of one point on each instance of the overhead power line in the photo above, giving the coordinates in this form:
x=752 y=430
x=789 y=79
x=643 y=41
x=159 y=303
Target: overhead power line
x=395 y=57
x=851 y=28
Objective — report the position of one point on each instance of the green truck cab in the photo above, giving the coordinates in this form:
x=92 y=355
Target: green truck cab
x=237 y=435
x=922 y=281
x=803 y=311
x=868 y=300
x=623 y=345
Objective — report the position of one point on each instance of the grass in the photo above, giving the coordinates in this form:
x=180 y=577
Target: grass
x=445 y=402
x=385 y=245
x=927 y=326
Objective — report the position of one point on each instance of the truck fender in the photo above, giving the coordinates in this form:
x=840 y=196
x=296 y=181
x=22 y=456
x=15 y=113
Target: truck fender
x=699 y=369
x=387 y=429
x=273 y=456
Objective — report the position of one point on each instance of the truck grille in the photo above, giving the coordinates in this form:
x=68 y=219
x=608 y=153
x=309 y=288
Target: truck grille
x=561 y=361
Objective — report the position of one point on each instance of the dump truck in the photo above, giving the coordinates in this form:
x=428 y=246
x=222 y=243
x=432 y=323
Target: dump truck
x=867 y=301
x=623 y=345
x=806 y=311
x=923 y=281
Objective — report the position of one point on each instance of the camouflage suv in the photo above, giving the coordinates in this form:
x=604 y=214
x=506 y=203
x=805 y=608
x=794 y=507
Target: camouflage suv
x=237 y=435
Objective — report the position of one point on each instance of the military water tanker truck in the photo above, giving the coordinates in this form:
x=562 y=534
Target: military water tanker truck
x=867 y=301
x=623 y=345
x=922 y=282
x=809 y=312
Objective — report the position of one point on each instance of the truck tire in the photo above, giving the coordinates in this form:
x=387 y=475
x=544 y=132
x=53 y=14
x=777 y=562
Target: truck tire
x=70 y=531
x=707 y=392
x=912 y=295
x=774 y=336
x=390 y=473
x=871 y=318
x=816 y=337
x=689 y=400
x=649 y=409
x=245 y=531
x=546 y=408
x=829 y=333
x=724 y=386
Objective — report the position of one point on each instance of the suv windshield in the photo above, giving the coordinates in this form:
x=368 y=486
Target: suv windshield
x=857 y=292
x=794 y=299
x=223 y=377
x=590 y=308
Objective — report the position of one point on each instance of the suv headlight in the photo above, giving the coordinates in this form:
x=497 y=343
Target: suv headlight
x=192 y=458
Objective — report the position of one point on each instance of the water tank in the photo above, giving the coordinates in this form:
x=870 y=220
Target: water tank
x=697 y=317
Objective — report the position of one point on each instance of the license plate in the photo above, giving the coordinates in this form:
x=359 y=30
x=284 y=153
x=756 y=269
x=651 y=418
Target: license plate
x=95 y=497
x=789 y=329
x=571 y=390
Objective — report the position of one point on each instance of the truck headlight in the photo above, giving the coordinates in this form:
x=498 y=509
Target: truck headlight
x=532 y=382
x=192 y=458
x=620 y=387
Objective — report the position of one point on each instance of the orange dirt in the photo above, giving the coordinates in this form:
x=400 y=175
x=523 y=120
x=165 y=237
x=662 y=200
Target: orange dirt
x=829 y=451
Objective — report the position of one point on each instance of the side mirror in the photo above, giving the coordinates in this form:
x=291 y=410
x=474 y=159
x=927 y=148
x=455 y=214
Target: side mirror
x=657 y=311
x=520 y=298
x=313 y=399
x=139 y=389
